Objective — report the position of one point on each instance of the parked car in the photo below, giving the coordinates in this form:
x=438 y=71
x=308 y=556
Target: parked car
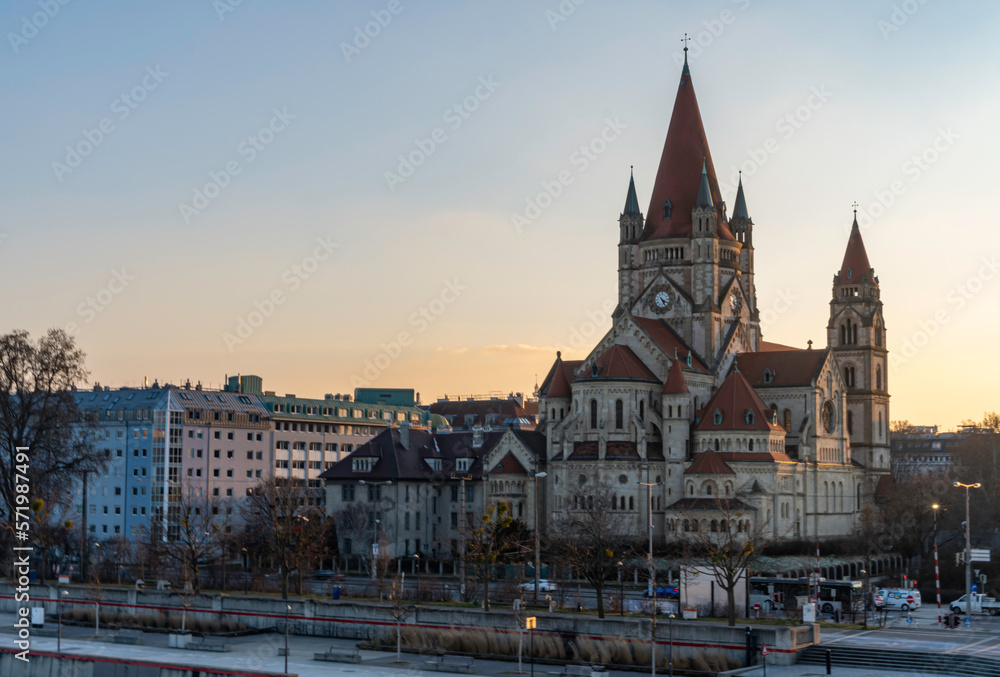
x=544 y=585
x=662 y=592
x=897 y=598
x=324 y=575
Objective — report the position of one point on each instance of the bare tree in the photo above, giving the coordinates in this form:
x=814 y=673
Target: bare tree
x=728 y=537
x=277 y=509
x=198 y=534
x=593 y=537
x=39 y=413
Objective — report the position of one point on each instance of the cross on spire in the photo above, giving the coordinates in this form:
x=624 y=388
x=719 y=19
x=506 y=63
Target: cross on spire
x=685 y=40
x=855 y=205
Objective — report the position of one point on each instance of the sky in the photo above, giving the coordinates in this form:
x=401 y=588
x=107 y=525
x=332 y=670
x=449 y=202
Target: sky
x=339 y=194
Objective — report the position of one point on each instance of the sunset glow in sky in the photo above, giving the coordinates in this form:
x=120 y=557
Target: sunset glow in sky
x=425 y=195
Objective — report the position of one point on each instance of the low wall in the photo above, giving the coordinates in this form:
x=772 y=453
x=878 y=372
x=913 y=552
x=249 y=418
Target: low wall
x=347 y=619
x=44 y=664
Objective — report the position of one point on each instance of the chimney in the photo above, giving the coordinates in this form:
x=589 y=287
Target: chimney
x=404 y=435
x=328 y=396
x=198 y=387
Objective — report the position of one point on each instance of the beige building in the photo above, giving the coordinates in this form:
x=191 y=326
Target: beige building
x=684 y=393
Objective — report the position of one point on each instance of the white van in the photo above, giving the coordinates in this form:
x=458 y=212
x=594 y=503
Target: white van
x=897 y=598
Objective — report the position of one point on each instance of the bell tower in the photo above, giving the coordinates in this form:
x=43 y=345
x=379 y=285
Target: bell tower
x=856 y=335
x=630 y=225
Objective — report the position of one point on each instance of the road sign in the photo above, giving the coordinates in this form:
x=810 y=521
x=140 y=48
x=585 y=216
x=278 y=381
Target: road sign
x=374 y=549
x=979 y=555
x=763 y=651
x=530 y=623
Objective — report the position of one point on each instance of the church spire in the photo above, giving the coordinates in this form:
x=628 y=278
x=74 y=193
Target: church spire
x=704 y=200
x=856 y=268
x=631 y=200
x=740 y=208
x=686 y=72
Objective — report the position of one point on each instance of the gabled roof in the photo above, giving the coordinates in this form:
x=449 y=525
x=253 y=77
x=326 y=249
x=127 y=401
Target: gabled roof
x=678 y=177
x=733 y=400
x=556 y=383
x=708 y=463
x=457 y=411
x=396 y=462
x=620 y=363
x=509 y=465
x=675 y=384
x=786 y=367
x=672 y=345
x=770 y=347
x=856 y=268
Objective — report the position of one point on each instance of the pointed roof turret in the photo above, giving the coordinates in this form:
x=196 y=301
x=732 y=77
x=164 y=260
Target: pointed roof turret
x=675 y=384
x=704 y=200
x=856 y=267
x=740 y=208
x=678 y=180
x=631 y=200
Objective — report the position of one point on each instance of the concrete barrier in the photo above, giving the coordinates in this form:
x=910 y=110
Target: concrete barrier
x=345 y=619
x=45 y=664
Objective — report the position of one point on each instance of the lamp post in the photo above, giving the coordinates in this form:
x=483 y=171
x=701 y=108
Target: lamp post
x=937 y=573
x=652 y=570
x=288 y=608
x=376 y=497
x=538 y=556
x=59 y=614
x=670 y=647
x=621 y=591
x=864 y=572
x=968 y=546
x=246 y=562
x=416 y=575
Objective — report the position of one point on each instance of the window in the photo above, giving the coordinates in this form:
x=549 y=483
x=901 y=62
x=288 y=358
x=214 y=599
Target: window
x=593 y=414
x=249 y=455
x=454 y=494
x=749 y=417
x=619 y=414
x=768 y=376
x=218 y=435
x=217 y=453
x=788 y=421
x=878 y=377
x=850 y=423
x=667 y=209
x=462 y=464
x=347 y=492
x=717 y=417
x=642 y=410
x=229 y=435
x=435 y=464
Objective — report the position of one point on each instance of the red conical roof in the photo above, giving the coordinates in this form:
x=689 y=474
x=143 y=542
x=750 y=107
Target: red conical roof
x=856 y=268
x=679 y=173
x=676 y=384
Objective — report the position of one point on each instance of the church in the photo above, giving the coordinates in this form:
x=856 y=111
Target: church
x=683 y=393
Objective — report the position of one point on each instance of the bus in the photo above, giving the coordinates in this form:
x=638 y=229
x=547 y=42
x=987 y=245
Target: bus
x=789 y=594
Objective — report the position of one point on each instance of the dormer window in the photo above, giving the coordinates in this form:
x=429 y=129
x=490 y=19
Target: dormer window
x=434 y=463
x=667 y=209
x=717 y=417
x=768 y=376
x=749 y=417
x=462 y=464
x=363 y=464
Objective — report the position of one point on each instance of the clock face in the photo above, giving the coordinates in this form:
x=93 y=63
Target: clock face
x=662 y=299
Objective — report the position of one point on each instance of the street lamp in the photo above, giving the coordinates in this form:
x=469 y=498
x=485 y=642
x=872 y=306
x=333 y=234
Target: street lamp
x=652 y=570
x=377 y=521
x=864 y=572
x=538 y=564
x=416 y=574
x=59 y=614
x=288 y=608
x=621 y=591
x=937 y=574
x=968 y=546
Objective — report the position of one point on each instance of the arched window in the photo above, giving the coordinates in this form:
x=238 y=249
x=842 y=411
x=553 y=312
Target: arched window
x=850 y=423
x=593 y=414
x=878 y=333
x=749 y=417
x=715 y=526
x=788 y=420
x=717 y=417
x=708 y=489
x=667 y=209
x=619 y=414
x=880 y=425
x=849 y=376
x=670 y=411
x=686 y=525
x=841 y=488
x=750 y=445
x=690 y=490
x=642 y=410
x=623 y=503
x=878 y=377
x=631 y=502
x=857 y=505
x=826 y=495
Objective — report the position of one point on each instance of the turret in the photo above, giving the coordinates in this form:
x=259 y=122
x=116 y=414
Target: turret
x=630 y=225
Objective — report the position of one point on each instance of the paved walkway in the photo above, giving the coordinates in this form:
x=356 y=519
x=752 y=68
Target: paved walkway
x=260 y=652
